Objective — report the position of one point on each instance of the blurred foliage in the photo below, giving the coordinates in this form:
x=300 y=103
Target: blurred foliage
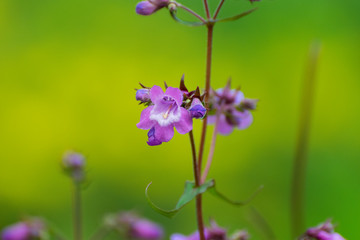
x=67 y=73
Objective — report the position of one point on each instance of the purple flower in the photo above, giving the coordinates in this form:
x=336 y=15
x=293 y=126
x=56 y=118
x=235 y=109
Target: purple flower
x=32 y=228
x=197 y=109
x=151 y=6
x=134 y=227
x=18 y=231
x=143 y=95
x=211 y=233
x=324 y=231
x=165 y=114
x=144 y=229
x=73 y=164
x=232 y=110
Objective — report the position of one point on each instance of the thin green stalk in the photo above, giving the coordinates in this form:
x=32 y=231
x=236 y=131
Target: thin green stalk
x=300 y=161
x=77 y=211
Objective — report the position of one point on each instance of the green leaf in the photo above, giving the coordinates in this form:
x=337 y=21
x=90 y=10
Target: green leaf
x=236 y=17
x=232 y=202
x=191 y=24
x=189 y=194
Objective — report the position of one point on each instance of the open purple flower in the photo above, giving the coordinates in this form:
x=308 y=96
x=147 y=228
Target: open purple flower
x=150 y=6
x=231 y=109
x=165 y=114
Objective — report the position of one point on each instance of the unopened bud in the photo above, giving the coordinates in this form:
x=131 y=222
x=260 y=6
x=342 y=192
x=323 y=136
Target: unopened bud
x=143 y=95
x=172 y=7
x=33 y=228
x=74 y=164
x=197 y=109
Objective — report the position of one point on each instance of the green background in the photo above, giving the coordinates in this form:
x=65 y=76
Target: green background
x=68 y=70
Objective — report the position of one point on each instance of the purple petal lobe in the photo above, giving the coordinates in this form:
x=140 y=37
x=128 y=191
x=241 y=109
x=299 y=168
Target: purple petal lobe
x=164 y=134
x=156 y=94
x=176 y=94
x=223 y=126
x=145 y=122
x=146 y=230
x=197 y=109
x=185 y=124
x=178 y=236
x=245 y=119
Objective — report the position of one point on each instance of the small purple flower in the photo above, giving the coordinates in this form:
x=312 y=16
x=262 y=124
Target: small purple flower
x=197 y=109
x=144 y=229
x=73 y=164
x=214 y=232
x=32 y=228
x=165 y=114
x=230 y=111
x=324 y=231
x=150 y=6
x=18 y=231
x=134 y=227
x=143 y=95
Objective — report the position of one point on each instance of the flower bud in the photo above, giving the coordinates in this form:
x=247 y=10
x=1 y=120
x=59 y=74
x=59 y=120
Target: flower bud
x=73 y=164
x=197 y=109
x=172 y=7
x=240 y=235
x=152 y=141
x=146 y=8
x=143 y=95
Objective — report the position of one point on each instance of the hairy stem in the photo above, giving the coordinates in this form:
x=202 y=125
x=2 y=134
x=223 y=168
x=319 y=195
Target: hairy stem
x=218 y=9
x=77 y=211
x=299 y=171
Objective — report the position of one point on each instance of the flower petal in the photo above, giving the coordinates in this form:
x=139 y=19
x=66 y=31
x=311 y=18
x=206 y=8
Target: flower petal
x=156 y=93
x=178 y=236
x=211 y=119
x=245 y=118
x=185 y=124
x=164 y=134
x=176 y=94
x=223 y=126
x=145 y=122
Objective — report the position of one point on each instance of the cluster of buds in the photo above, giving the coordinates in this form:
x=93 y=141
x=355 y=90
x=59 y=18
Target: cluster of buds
x=174 y=108
x=214 y=232
x=74 y=165
x=324 y=231
x=229 y=109
x=133 y=227
x=29 y=229
x=150 y=6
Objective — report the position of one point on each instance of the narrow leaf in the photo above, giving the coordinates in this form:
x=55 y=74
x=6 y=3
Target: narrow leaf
x=191 y=24
x=189 y=194
x=236 y=203
x=236 y=17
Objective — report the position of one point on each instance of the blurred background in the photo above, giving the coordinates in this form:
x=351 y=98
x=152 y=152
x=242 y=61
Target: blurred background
x=68 y=70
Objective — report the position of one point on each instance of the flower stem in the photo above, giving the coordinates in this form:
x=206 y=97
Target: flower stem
x=212 y=150
x=195 y=166
x=210 y=28
x=299 y=172
x=218 y=9
x=190 y=11
x=77 y=211
x=207 y=11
